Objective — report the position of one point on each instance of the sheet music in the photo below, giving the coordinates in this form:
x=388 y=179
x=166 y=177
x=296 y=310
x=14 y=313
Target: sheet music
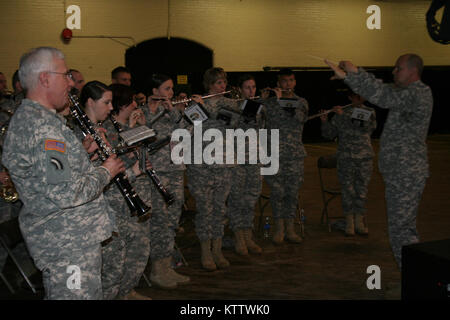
x=195 y=113
x=137 y=134
x=251 y=108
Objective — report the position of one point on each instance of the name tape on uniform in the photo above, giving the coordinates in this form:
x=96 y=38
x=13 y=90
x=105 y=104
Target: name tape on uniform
x=361 y=114
x=289 y=103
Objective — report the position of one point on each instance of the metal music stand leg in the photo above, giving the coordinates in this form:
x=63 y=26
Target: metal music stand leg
x=181 y=254
x=11 y=255
x=10 y=288
x=146 y=280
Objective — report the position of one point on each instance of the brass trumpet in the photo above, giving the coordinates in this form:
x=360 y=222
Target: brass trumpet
x=9 y=193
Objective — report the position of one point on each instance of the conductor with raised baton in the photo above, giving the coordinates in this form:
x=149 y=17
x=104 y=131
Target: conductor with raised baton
x=403 y=160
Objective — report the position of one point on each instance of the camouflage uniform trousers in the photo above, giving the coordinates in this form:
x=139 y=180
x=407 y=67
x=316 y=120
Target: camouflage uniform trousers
x=245 y=190
x=60 y=280
x=354 y=176
x=210 y=187
x=403 y=195
x=126 y=255
x=285 y=187
x=164 y=220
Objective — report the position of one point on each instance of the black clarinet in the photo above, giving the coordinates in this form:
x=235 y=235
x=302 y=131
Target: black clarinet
x=168 y=198
x=136 y=205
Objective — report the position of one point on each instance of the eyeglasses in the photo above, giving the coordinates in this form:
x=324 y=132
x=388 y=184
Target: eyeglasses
x=67 y=74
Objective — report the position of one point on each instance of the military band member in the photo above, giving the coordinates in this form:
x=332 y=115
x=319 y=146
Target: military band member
x=64 y=216
x=246 y=183
x=164 y=119
x=353 y=129
x=78 y=80
x=209 y=183
x=403 y=160
x=121 y=75
x=10 y=205
x=125 y=255
x=285 y=185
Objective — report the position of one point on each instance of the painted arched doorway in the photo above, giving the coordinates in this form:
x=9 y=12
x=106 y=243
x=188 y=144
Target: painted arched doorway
x=184 y=60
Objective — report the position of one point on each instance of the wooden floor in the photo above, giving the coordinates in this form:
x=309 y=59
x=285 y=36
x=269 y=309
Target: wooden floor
x=327 y=265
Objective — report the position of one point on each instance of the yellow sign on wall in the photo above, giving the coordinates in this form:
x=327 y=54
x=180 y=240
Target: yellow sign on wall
x=182 y=79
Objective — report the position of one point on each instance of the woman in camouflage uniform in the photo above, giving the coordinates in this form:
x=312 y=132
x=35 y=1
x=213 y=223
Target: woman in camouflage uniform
x=124 y=257
x=210 y=183
x=164 y=119
x=246 y=183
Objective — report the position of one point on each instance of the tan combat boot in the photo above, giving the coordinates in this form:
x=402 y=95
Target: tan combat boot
x=290 y=231
x=239 y=243
x=251 y=245
x=360 y=228
x=218 y=257
x=349 y=224
x=278 y=234
x=179 y=278
x=160 y=277
x=207 y=258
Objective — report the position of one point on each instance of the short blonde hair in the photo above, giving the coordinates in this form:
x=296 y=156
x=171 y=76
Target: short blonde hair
x=212 y=75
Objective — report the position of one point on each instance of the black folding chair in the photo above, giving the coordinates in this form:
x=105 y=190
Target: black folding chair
x=10 y=237
x=328 y=163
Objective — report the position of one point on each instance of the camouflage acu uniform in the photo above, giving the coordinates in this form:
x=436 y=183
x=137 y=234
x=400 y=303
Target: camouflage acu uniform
x=164 y=220
x=354 y=156
x=246 y=183
x=64 y=217
x=126 y=256
x=8 y=210
x=285 y=185
x=403 y=160
x=210 y=183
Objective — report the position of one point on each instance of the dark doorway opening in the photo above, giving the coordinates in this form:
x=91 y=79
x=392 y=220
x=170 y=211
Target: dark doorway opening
x=183 y=60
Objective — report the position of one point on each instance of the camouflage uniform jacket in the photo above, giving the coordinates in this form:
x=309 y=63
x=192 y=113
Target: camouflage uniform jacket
x=353 y=135
x=6 y=111
x=61 y=190
x=164 y=126
x=213 y=107
x=112 y=135
x=290 y=125
x=403 y=141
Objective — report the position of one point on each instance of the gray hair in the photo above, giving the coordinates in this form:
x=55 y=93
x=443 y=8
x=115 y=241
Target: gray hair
x=34 y=62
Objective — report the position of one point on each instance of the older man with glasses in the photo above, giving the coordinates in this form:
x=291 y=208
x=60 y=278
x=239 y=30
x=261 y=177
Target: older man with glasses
x=64 y=218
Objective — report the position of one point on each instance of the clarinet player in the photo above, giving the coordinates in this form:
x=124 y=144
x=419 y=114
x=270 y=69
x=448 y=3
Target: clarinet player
x=64 y=218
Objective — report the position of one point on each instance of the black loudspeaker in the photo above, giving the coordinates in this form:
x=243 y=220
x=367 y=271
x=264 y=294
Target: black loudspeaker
x=426 y=270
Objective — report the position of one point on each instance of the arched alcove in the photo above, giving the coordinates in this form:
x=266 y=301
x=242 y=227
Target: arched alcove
x=174 y=57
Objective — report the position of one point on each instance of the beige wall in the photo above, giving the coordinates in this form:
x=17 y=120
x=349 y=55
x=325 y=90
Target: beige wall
x=245 y=35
